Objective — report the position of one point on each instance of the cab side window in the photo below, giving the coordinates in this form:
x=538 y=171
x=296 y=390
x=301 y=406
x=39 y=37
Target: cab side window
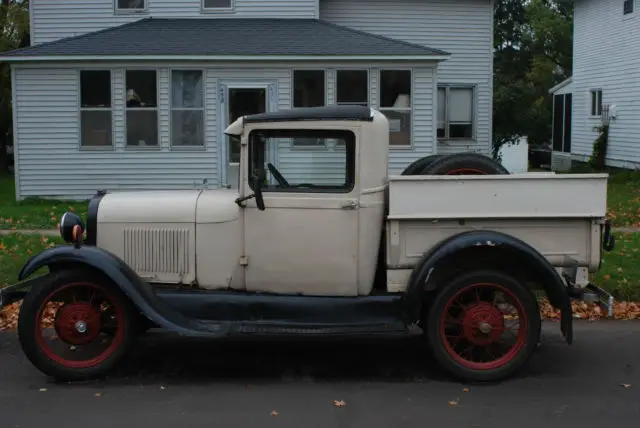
x=328 y=168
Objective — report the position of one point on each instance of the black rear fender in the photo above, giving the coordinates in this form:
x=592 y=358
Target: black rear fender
x=487 y=250
x=105 y=263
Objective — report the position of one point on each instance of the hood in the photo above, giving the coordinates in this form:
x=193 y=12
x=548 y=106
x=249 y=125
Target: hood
x=173 y=206
x=178 y=206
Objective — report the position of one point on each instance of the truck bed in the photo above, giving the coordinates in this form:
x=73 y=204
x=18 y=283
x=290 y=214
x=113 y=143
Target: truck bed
x=558 y=214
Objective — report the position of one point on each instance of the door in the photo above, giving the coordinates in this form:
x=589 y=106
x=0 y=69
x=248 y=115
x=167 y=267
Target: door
x=306 y=240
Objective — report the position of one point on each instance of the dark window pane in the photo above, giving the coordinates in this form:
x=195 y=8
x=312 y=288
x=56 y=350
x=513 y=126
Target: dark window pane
x=95 y=88
x=395 y=88
x=142 y=90
x=353 y=87
x=131 y=4
x=187 y=128
x=217 y=4
x=95 y=128
x=461 y=131
x=308 y=88
x=142 y=128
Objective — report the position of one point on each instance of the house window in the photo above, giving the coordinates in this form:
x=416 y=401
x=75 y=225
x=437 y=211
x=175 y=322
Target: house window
x=216 y=4
x=142 y=108
x=130 y=5
x=308 y=91
x=395 y=104
x=352 y=87
x=596 y=102
x=628 y=6
x=187 y=108
x=95 y=108
x=455 y=112
x=308 y=88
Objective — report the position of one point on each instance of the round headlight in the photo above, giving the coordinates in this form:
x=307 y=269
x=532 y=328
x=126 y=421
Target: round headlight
x=71 y=227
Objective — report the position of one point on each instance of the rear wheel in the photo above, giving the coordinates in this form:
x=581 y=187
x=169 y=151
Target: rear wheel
x=76 y=327
x=483 y=326
x=465 y=164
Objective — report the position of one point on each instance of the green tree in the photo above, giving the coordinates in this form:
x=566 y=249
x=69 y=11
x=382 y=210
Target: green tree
x=14 y=33
x=533 y=52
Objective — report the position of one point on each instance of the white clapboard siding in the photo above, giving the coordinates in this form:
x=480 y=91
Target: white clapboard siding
x=463 y=28
x=607 y=57
x=51 y=162
x=55 y=19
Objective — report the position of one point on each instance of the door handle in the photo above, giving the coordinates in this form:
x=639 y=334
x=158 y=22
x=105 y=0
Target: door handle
x=351 y=205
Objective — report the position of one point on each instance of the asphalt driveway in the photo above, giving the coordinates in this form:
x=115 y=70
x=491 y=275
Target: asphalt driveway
x=185 y=383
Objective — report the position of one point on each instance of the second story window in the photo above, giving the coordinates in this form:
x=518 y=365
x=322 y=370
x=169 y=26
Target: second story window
x=130 y=5
x=213 y=5
x=628 y=6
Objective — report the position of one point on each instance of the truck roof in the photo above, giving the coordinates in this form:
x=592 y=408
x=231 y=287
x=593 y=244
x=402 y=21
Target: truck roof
x=354 y=113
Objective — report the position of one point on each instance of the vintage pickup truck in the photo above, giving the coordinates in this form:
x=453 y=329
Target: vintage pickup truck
x=319 y=241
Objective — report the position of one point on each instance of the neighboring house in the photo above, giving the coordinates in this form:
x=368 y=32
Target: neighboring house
x=135 y=94
x=605 y=83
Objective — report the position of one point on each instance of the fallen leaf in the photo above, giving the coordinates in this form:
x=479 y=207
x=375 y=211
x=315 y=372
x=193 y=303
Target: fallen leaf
x=274 y=413
x=43 y=389
x=97 y=394
x=465 y=390
x=454 y=403
x=339 y=403
x=626 y=385
x=162 y=387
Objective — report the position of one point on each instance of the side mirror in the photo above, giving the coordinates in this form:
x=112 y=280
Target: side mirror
x=259 y=177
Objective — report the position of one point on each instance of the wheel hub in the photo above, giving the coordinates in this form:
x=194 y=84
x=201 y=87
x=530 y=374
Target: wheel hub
x=77 y=323
x=483 y=324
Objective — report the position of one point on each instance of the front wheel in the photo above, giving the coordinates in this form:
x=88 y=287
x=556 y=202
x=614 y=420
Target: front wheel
x=78 y=326
x=483 y=326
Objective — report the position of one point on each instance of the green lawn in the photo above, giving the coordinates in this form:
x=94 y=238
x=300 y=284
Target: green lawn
x=15 y=250
x=32 y=213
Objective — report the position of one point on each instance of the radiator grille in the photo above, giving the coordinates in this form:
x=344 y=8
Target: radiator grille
x=163 y=251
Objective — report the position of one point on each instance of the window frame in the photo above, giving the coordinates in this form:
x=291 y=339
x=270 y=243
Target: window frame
x=625 y=11
x=368 y=80
x=597 y=93
x=156 y=108
x=126 y=11
x=110 y=109
x=171 y=109
x=474 y=114
x=228 y=9
x=349 y=150
x=403 y=109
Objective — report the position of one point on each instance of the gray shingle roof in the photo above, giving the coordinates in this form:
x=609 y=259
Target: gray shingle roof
x=226 y=37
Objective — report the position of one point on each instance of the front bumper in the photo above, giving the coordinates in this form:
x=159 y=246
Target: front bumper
x=15 y=293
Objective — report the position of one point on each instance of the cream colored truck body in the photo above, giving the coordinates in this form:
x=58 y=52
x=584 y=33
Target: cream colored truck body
x=327 y=243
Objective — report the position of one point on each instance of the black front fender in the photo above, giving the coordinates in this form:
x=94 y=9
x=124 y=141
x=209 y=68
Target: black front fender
x=525 y=254
x=138 y=291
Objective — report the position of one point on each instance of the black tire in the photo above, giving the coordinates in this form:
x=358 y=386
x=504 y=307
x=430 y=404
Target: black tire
x=416 y=167
x=465 y=164
x=40 y=355
x=514 y=359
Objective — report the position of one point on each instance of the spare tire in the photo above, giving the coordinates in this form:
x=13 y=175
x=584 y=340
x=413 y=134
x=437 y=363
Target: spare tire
x=465 y=164
x=417 y=166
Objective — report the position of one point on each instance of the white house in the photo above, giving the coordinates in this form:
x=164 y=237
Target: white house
x=135 y=94
x=605 y=82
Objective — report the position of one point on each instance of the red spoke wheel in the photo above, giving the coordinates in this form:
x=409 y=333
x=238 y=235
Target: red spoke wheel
x=484 y=326
x=77 y=326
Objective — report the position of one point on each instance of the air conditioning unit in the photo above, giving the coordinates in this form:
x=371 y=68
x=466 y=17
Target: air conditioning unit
x=560 y=161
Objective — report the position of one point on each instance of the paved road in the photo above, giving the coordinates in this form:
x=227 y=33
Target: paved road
x=183 y=383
